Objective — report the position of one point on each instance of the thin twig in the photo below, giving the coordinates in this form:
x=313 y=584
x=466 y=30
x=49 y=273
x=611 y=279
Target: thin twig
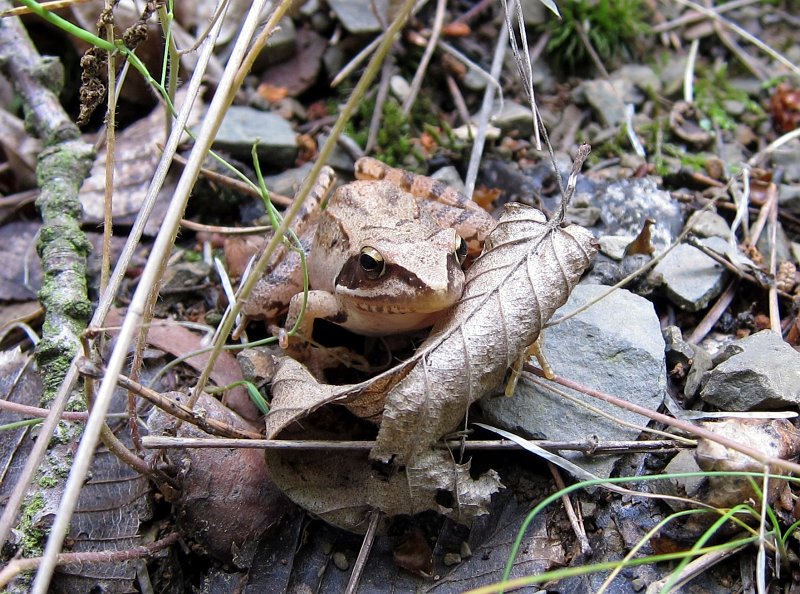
x=363 y=553
x=419 y=75
x=689 y=428
x=589 y=447
x=483 y=117
x=774 y=311
x=577 y=525
x=380 y=100
x=692 y=17
x=713 y=314
x=458 y=98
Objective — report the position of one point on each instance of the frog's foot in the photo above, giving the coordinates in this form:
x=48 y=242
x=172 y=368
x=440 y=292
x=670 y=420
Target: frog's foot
x=535 y=350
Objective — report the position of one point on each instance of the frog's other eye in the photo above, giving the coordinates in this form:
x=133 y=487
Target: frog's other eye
x=460 y=249
x=372 y=262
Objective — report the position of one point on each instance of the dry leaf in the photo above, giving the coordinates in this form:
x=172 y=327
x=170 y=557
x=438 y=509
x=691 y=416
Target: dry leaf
x=527 y=270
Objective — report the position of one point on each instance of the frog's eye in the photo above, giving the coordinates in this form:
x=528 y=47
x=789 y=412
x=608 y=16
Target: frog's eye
x=460 y=249
x=372 y=262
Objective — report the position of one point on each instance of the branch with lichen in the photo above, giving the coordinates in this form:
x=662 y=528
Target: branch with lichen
x=62 y=166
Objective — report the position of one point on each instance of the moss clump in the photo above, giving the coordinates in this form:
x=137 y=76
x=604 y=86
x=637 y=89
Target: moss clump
x=713 y=90
x=612 y=26
x=33 y=538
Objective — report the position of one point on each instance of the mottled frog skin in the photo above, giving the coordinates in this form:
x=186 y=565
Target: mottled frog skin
x=385 y=256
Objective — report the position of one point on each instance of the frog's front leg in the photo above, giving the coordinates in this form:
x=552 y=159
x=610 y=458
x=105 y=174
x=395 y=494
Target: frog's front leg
x=320 y=304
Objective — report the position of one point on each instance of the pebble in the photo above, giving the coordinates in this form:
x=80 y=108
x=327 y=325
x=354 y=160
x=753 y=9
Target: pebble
x=706 y=223
x=604 y=99
x=760 y=371
x=340 y=561
x=280 y=47
x=789 y=198
x=358 y=16
x=596 y=350
x=513 y=117
x=614 y=246
x=449 y=175
x=451 y=559
x=399 y=87
x=689 y=278
x=242 y=126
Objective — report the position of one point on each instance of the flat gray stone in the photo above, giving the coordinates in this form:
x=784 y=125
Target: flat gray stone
x=689 y=278
x=709 y=224
x=605 y=100
x=358 y=16
x=449 y=175
x=789 y=198
x=626 y=204
x=280 y=47
x=761 y=372
x=513 y=117
x=596 y=350
x=614 y=246
x=243 y=126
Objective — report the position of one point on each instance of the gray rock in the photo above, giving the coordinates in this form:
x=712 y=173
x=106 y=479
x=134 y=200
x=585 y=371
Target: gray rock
x=289 y=181
x=449 y=175
x=344 y=154
x=788 y=157
x=783 y=248
x=400 y=87
x=243 y=126
x=762 y=371
x=639 y=75
x=534 y=13
x=605 y=100
x=358 y=16
x=280 y=46
x=789 y=198
x=596 y=350
x=795 y=248
x=705 y=223
x=614 y=246
x=474 y=81
x=513 y=117
x=626 y=204
x=689 y=278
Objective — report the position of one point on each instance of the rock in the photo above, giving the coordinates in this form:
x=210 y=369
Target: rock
x=344 y=154
x=474 y=81
x=761 y=371
x=705 y=223
x=614 y=246
x=788 y=157
x=689 y=278
x=513 y=117
x=605 y=100
x=636 y=75
x=534 y=13
x=358 y=16
x=789 y=198
x=596 y=350
x=585 y=216
x=399 y=87
x=258 y=364
x=468 y=132
x=449 y=175
x=783 y=250
x=280 y=46
x=243 y=126
x=288 y=182
x=626 y=204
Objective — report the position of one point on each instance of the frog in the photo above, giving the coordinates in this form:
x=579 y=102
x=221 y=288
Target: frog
x=386 y=254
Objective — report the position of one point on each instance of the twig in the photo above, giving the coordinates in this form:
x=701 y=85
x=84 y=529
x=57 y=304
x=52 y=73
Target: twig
x=483 y=117
x=458 y=98
x=40 y=413
x=688 y=72
x=774 y=311
x=689 y=428
x=695 y=568
x=363 y=553
x=590 y=447
x=20 y=565
x=168 y=405
x=692 y=17
x=380 y=100
x=713 y=314
x=577 y=526
x=419 y=75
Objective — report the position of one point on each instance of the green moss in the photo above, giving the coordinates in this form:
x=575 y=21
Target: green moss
x=47 y=482
x=612 y=26
x=33 y=538
x=712 y=90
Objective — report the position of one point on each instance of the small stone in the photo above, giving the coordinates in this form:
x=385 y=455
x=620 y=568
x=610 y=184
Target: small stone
x=474 y=81
x=184 y=276
x=399 y=87
x=468 y=132
x=340 y=561
x=534 y=13
x=789 y=198
x=258 y=364
x=796 y=252
x=639 y=75
x=605 y=100
x=451 y=559
x=585 y=216
x=513 y=117
x=788 y=158
x=705 y=223
x=690 y=278
x=734 y=107
x=280 y=47
x=466 y=551
x=288 y=182
x=614 y=246
x=243 y=126
x=358 y=16
x=762 y=372
x=344 y=154
x=449 y=175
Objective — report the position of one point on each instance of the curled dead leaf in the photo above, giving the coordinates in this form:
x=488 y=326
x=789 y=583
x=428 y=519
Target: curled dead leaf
x=527 y=270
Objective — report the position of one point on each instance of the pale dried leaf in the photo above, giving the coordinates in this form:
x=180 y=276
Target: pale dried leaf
x=527 y=270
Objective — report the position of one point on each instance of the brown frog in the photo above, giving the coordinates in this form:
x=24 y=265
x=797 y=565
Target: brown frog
x=386 y=255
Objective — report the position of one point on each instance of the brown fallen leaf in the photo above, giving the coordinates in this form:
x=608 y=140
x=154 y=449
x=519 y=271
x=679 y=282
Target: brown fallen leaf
x=527 y=270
